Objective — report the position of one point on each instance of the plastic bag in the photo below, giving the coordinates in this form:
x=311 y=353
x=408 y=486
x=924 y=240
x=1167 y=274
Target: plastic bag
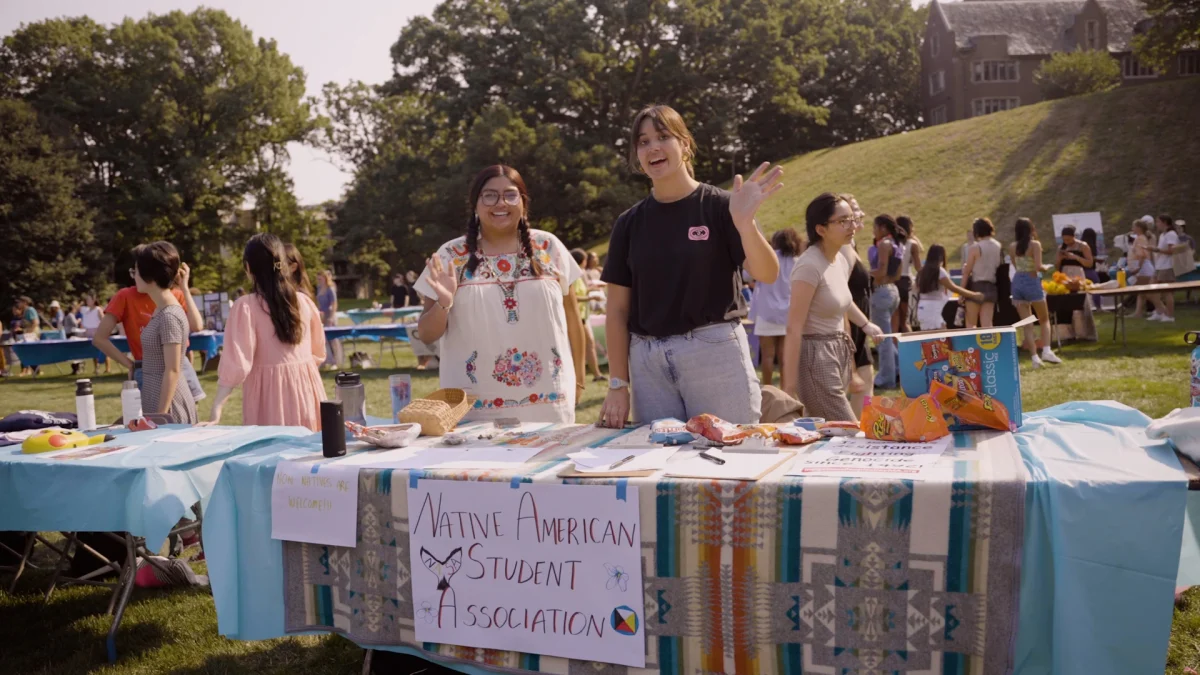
x=670 y=431
x=1182 y=427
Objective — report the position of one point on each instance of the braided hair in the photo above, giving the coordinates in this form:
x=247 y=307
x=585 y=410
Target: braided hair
x=473 y=226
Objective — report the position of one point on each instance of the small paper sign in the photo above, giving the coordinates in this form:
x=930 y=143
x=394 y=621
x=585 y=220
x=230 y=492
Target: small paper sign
x=863 y=458
x=316 y=503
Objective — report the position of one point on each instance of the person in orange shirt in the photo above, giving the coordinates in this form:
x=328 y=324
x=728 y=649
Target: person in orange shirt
x=133 y=310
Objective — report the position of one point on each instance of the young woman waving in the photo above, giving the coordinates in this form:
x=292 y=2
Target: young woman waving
x=499 y=300
x=673 y=274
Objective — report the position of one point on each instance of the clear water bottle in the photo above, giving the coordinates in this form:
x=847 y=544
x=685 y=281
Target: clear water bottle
x=350 y=391
x=1193 y=338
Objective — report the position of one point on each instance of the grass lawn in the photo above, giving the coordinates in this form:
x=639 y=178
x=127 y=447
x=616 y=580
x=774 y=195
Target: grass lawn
x=176 y=631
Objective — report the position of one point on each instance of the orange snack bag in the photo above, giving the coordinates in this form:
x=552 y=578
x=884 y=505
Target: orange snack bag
x=965 y=361
x=716 y=429
x=968 y=408
x=909 y=420
x=934 y=351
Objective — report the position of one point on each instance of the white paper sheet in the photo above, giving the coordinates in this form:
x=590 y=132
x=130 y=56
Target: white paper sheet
x=195 y=435
x=315 y=502
x=448 y=458
x=600 y=460
x=863 y=458
x=736 y=466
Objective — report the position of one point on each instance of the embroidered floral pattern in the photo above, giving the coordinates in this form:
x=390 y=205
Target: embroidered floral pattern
x=509 y=290
x=504 y=265
x=532 y=399
x=471 y=367
x=557 y=363
x=516 y=368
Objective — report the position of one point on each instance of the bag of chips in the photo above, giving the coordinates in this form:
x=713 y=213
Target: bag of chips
x=670 y=431
x=794 y=435
x=934 y=351
x=832 y=429
x=968 y=408
x=716 y=429
x=915 y=420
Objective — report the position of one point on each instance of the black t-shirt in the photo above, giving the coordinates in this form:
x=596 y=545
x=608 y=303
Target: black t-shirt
x=678 y=259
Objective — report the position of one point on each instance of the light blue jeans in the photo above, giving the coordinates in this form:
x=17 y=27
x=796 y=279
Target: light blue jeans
x=885 y=300
x=707 y=370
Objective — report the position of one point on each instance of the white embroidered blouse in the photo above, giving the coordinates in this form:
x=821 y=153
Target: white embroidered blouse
x=506 y=339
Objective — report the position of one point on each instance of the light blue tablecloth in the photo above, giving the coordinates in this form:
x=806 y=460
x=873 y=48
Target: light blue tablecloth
x=374 y=333
x=363 y=315
x=1104 y=521
x=143 y=491
x=45 y=352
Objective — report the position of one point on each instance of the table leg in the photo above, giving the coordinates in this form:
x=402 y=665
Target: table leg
x=30 y=539
x=126 y=590
x=65 y=559
x=366 y=668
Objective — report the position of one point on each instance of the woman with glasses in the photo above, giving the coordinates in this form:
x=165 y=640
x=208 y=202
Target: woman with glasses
x=862 y=383
x=499 y=300
x=674 y=274
x=818 y=353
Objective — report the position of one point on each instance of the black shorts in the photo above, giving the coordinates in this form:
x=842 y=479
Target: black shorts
x=904 y=285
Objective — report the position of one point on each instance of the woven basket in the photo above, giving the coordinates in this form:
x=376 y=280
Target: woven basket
x=439 y=412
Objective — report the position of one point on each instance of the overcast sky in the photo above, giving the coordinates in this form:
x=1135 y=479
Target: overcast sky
x=333 y=41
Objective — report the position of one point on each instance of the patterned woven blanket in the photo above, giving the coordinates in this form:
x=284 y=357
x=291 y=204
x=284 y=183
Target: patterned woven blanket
x=784 y=575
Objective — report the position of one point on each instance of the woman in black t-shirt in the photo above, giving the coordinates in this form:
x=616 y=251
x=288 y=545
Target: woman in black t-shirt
x=673 y=274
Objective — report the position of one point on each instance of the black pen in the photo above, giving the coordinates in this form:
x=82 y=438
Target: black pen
x=715 y=460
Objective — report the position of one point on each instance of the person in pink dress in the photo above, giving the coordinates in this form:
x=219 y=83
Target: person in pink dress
x=274 y=343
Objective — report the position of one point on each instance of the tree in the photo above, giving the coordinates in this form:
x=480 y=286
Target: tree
x=171 y=116
x=1078 y=72
x=1173 y=27
x=45 y=228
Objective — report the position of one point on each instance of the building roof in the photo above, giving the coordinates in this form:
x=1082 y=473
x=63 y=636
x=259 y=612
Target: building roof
x=1036 y=26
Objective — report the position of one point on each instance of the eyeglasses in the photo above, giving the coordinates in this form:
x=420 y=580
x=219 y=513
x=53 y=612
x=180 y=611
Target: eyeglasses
x=848 y=221
x=492 y=197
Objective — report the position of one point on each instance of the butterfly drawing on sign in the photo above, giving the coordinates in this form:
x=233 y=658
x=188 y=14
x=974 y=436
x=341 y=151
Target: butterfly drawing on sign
x=444 y=569
x=426 y=613
x=617 y=577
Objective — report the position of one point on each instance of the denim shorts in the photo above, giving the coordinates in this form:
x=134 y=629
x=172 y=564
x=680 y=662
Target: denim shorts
x=1027 y=287
x=706 y=370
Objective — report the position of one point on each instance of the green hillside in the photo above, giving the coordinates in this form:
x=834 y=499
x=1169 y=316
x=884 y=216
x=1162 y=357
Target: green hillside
x=1125 y=153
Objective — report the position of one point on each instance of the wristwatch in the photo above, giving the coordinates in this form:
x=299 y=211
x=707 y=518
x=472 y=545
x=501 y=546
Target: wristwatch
x=617 y=383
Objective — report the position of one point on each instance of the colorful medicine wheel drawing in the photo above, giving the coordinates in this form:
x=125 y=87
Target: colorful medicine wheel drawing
x=625 y=620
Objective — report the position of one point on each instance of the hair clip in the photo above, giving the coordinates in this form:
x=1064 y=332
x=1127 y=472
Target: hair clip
x=278 y=267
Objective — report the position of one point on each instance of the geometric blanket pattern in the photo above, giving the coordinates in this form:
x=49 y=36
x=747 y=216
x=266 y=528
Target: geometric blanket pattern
x=784 y=575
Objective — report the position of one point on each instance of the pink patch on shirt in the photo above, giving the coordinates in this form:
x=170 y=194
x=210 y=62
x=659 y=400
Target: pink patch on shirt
x=698 y=233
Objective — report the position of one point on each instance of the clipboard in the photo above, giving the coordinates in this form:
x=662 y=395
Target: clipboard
x=570 y=472
x=784 y=456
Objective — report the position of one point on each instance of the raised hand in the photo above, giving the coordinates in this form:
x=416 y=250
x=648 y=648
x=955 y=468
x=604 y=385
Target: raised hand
x=747 y=196
x=184 y=274
x=443 y=278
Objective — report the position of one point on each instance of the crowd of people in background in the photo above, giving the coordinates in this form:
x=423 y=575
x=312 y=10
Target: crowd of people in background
x=512 y=308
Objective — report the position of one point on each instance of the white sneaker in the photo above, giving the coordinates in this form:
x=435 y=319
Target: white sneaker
x=1154 y=316
x=1037 y=363
x=1167 y=319
x=1049 y=356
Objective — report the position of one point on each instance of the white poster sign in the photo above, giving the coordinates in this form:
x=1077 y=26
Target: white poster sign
x=543 y=569
x=315 y=502
x=864 y=458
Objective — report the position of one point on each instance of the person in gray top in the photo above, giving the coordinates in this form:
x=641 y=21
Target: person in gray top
x=165 y=338
x=979 y=273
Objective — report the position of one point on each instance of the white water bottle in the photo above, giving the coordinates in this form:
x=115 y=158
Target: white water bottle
x=85 y=405
x=131 y=401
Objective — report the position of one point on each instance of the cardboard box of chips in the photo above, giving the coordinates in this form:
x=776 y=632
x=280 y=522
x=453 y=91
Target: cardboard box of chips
x=980 y=365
